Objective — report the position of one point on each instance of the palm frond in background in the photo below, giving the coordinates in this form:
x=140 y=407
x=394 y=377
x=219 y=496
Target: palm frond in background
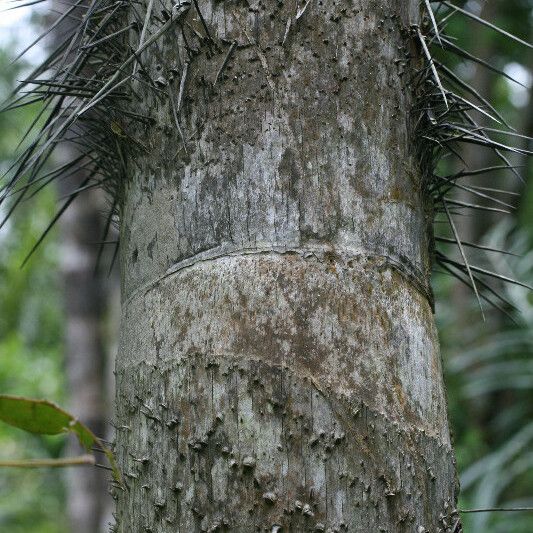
x=491 y=368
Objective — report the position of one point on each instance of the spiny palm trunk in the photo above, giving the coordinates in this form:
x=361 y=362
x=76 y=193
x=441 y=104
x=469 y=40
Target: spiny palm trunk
x=278 y=367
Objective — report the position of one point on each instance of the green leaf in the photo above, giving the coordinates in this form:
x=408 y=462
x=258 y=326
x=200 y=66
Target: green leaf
x=43 y=417
x=46 y=418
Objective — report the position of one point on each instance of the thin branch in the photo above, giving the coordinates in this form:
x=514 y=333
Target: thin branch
x=82 y=460
x=496 y=510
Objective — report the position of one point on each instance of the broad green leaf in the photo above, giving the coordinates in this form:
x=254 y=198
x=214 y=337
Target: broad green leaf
x=46 y=418
x=43 y=417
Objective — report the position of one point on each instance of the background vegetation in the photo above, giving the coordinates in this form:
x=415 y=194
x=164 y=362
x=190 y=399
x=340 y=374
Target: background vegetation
x=488 y=365
x=31 y=501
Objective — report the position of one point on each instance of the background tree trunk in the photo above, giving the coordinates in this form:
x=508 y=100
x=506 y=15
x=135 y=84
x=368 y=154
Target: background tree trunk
x=88 y=294
x=86 y=299
x=278 y=367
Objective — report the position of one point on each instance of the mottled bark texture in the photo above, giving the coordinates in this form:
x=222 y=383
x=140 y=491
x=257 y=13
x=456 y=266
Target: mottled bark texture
x=278 y=367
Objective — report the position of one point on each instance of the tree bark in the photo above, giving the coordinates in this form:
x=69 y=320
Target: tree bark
x=278 y=368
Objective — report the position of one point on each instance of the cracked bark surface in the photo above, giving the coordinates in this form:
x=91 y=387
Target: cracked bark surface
x=278 y=368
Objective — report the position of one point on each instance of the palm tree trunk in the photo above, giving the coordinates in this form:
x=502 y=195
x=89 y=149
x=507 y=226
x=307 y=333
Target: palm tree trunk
x=278 y=368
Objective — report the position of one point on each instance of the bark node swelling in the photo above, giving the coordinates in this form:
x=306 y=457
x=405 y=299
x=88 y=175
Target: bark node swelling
x=278 y=367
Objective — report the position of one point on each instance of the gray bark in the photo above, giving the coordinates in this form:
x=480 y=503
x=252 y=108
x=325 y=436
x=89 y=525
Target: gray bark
x=278 y=367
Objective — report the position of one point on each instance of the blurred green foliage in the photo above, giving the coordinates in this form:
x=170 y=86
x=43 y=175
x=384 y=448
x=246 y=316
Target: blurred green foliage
x=488 y=364
x=489 y=377
x=31 y=500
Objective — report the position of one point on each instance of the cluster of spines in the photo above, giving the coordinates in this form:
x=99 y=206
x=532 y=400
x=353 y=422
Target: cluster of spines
x=446 y=114
x=83 y=83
